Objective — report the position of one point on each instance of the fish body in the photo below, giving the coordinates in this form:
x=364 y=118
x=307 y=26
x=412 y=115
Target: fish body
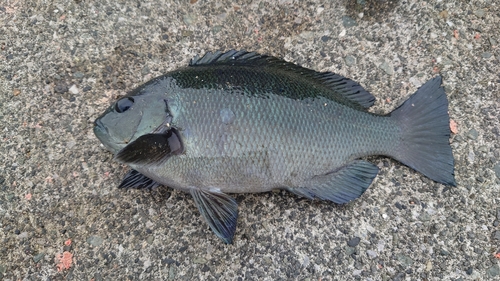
x=240 y=122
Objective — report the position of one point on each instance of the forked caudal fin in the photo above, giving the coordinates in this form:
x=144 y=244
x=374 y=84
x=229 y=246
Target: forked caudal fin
x=425 y=131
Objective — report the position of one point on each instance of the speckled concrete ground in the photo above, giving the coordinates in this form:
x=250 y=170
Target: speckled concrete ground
x=63 y=62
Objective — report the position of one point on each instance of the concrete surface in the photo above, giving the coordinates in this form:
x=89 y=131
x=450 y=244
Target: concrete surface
x=62 y=62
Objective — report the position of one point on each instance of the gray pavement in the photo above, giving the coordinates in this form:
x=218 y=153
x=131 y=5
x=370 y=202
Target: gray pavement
x=63 y=62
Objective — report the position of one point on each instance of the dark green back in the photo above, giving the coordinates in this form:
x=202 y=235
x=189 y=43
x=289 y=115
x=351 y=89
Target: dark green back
x=259 y=75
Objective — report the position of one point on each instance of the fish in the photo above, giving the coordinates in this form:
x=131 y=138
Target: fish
x=243 y=122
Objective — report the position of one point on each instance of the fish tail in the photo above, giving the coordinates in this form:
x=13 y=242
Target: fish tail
x=425 y=131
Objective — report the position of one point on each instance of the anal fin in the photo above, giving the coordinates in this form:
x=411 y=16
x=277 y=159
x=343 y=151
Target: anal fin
x=219 y=210
x=341 y=186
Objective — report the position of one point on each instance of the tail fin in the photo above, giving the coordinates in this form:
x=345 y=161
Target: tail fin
x=425 y=132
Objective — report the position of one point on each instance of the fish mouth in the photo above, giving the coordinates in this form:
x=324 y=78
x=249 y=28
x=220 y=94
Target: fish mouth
x=99 y=129
x=102 y=134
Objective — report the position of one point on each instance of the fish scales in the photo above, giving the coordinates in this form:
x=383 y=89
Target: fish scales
x=270 y=133
x=240 y=122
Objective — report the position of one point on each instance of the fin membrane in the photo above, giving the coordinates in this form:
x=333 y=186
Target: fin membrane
x=151 y=148
x=219 y=210
x=134 y=179
x=347 y=88
x=424 y=143
x=342 y=185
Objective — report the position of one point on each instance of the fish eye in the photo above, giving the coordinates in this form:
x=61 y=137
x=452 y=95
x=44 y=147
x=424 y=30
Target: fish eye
x=124 y=104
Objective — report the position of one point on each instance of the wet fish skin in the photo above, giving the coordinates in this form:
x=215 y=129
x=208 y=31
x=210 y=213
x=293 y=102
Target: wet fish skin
x=240 y=122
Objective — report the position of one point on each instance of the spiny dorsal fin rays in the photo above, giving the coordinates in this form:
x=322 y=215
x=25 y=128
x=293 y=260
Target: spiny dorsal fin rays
x=341 y=85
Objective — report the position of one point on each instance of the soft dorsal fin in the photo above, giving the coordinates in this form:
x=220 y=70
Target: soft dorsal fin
x=344 y=86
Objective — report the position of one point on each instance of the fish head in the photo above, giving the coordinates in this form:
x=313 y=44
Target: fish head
x=132 y=116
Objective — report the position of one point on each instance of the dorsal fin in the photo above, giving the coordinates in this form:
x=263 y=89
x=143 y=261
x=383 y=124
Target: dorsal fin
x=344 y=86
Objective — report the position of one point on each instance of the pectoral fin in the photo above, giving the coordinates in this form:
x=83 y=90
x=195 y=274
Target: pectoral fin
x=342 y=185
x=151 y=148
x=219 y=210
x=134 y=179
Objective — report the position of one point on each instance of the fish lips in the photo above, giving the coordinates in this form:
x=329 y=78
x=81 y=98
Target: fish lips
x=99 y=129
x=101 y=132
